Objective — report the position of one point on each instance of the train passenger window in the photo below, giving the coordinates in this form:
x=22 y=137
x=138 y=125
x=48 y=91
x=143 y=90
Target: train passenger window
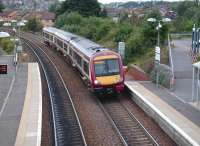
x=51 y=37
x=65 y=47
x=45 y=35
x=78 y=59
x=70 y=51
x=86 y=67
x=60 y=43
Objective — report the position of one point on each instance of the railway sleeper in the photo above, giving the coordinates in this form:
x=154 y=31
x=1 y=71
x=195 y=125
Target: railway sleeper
x=142 y=142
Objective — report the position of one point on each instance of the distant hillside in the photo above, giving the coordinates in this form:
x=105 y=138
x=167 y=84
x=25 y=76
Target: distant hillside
x=130 y=5
x=113 y=5
x=127 y=5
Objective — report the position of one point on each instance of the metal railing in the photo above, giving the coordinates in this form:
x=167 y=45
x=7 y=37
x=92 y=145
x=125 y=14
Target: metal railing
x=171 y=64
x=181 y=34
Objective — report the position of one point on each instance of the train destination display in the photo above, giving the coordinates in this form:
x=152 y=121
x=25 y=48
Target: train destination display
x=3 y=69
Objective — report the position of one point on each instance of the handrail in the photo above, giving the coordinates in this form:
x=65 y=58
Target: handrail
x=181 y=34
x=171 y=63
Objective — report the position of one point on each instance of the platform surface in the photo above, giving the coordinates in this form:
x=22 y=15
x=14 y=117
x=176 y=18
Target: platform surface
x=170 y=112
x=29 y=131
x=20 y=104
x=182 y=62
x=12 y=93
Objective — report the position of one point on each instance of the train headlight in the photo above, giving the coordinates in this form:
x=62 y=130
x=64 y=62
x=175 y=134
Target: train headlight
x=96 y=82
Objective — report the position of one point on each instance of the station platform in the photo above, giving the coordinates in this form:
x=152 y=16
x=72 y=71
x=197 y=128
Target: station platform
x=20 y=104
x=178 y=119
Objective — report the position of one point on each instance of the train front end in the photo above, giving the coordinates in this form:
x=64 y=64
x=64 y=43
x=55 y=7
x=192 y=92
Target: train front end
x=107 y=74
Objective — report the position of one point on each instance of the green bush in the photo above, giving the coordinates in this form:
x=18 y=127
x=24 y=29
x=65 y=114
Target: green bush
x=138 y=39
x=134 y=46
x=71 y=28
x=7 y=45
x=123 y=32
x=164 y=75
x=188 y=14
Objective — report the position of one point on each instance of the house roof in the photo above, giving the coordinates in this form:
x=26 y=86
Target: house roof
x=44 y=15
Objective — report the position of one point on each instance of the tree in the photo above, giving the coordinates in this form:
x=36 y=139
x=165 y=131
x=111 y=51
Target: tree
x=123 y=32
x=34 y=24
x=149 y=29
x=183 y=6
x=1 y=6
x=7 y=45
x=54 y=7
x=83 y=7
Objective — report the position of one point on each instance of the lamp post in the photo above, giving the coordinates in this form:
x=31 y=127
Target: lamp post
x=157 y=48
x=20 y=24
x=159 y=26
x=17 y=48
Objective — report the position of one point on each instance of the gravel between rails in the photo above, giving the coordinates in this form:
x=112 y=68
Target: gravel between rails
x=96 y=127
x=150 y=125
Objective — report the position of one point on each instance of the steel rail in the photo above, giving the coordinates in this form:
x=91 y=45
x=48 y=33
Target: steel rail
x=117 y=126
x=134 y=118
x=76 y=115
x=112 y=123
x=49 y=89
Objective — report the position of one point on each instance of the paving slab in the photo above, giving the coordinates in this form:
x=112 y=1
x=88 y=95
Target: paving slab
x=178 y=119
x=182 y=62
x=12 y=89
x=175 y=102
x=29 y=132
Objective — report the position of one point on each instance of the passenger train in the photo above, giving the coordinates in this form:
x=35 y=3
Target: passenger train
x=99 y=66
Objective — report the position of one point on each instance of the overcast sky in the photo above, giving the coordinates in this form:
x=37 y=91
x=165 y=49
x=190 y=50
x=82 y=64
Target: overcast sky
x=109 y=1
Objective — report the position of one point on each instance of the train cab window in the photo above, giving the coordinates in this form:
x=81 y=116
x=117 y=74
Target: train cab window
x=86 y=67
x=106 y=67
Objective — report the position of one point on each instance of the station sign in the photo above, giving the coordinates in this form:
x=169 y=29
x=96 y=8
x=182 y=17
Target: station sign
x=121 y=49
x=157 y=54
x=3 y=69
x=19 y=49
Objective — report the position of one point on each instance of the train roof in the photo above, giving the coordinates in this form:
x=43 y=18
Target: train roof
x=60 y=33
x=86 y=46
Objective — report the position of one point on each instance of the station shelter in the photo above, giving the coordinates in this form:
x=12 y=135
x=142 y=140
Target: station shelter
x=196 y=83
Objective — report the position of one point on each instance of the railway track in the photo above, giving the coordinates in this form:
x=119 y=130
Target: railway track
x=66 y=125
x=126 y=124
x=129 y=129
